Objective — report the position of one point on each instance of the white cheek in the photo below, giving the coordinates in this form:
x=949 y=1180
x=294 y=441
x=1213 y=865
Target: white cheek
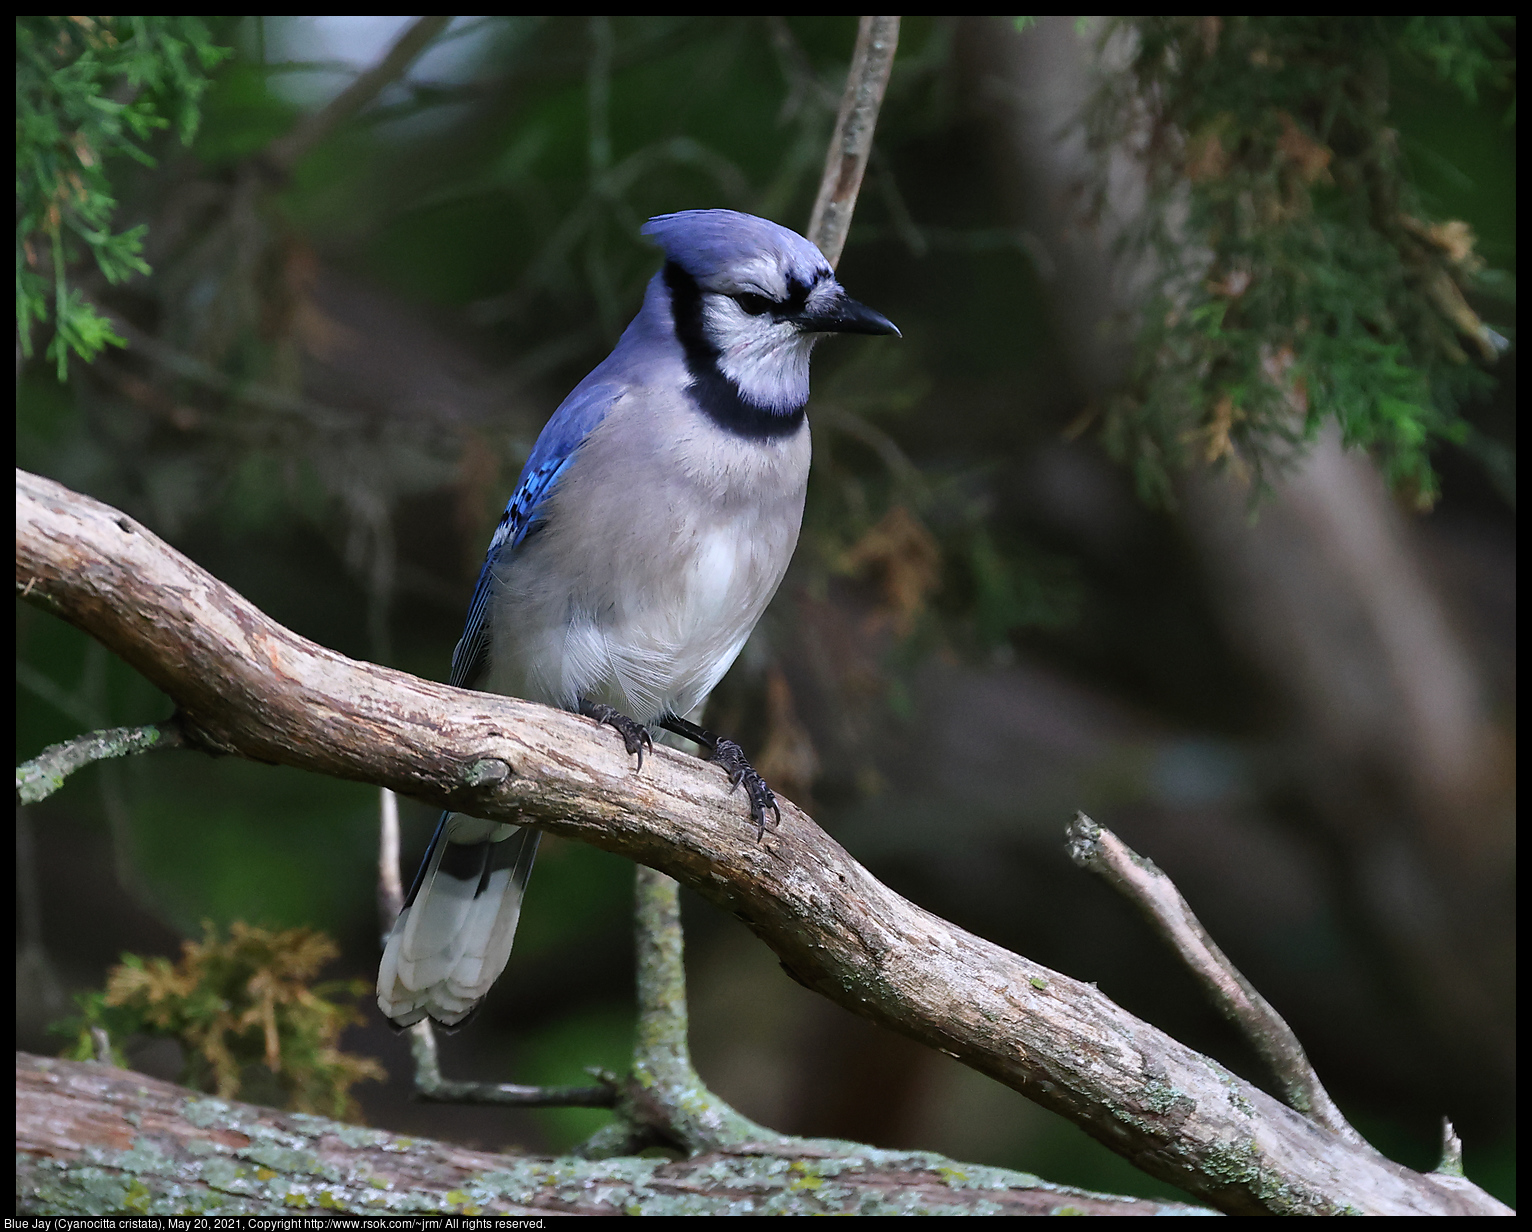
x=760 y=344
x=768 y=360
x=734 y=330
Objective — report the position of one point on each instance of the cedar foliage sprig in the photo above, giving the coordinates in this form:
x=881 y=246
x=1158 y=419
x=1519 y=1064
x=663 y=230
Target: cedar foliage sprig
x=234 y=1005
x=89 y=89
x=1294 y=276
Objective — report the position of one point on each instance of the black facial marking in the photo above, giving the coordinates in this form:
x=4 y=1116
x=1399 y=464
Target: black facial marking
x=797 y=296
x=755 y=304
x=717 y=395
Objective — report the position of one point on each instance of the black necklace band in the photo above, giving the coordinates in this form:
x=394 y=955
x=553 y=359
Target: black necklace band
x=716 y=394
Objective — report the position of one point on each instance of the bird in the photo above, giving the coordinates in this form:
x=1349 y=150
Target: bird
x=647 y=532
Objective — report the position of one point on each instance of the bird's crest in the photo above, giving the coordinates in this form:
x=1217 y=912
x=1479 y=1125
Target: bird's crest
x=724 y=248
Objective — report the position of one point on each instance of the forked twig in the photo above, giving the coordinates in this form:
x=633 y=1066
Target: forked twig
x=1096 y=848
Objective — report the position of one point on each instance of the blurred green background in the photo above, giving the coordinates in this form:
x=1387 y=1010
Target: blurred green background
x=1306 y=717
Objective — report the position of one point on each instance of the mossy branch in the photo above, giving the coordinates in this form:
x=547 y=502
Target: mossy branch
x=45 y=774
x=93 y=1140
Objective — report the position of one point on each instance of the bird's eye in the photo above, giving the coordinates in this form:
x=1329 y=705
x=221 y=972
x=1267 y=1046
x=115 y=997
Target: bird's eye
x=753 y=304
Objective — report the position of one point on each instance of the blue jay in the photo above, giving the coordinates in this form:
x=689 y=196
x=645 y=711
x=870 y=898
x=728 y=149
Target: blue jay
x=648 y=531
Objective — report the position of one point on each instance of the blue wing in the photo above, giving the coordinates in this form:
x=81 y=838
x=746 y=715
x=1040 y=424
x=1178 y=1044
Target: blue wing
x=556 y=446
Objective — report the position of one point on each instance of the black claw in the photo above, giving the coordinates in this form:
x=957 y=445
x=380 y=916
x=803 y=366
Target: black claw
x=635 y=736
x=732 y=758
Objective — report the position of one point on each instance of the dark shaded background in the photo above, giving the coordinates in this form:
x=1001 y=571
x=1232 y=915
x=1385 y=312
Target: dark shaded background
x=1307 y=718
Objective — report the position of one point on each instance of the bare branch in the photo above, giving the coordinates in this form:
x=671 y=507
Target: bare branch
x=244 y=684
x=1155 y=895
x=390 y=888
x=433 y=1088
x=673 y=1095
x=285 y=152
x=102 y=1043
x=1452 y=1151
x=871 y=62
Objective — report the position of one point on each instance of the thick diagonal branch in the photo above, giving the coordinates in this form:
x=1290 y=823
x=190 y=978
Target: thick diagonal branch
x=244 y=684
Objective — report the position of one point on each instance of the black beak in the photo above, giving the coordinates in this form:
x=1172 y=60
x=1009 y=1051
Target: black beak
x=843 y=315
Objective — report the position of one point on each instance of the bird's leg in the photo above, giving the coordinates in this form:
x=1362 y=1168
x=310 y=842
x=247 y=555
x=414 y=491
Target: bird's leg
x=634 y=735
x=732 y=758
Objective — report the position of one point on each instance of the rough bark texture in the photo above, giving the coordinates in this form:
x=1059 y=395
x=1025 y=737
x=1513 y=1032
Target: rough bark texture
x=246 y=685
x=95 y=1140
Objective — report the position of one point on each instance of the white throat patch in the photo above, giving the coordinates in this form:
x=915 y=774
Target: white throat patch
x=767 y=359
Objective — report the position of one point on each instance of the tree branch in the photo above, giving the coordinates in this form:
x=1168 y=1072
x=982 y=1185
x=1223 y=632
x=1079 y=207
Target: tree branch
x=284 y=153
x=433 y=1088
x=877 y=38
x=96 y=1140
x=666 y=1092
x=45 y=774
x=244 y=684
x=390 y=889
x=1096 y=848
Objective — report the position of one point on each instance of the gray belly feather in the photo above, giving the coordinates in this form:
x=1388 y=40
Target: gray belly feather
x=662 y=546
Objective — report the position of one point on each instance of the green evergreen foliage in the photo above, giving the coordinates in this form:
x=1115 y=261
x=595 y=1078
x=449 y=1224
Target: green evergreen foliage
x=88 y=89
x=246 y=1013
x=1296 y=277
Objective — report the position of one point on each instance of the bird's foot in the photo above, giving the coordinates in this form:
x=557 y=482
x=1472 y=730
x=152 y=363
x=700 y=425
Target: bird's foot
x=635 y=736
x=732 y=758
